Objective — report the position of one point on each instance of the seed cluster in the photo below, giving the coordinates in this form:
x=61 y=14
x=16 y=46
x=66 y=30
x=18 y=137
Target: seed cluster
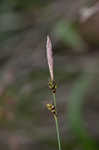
x=52 y=85
x=52 y=108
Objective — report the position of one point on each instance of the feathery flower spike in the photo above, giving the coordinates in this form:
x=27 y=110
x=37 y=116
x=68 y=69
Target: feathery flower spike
x=52 y=86
x=50 y=57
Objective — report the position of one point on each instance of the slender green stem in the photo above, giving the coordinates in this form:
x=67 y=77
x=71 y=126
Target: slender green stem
x=54 y=98
x=57 y=129
x=56 y=122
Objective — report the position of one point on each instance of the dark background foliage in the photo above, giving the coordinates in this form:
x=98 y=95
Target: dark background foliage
x=25 y=123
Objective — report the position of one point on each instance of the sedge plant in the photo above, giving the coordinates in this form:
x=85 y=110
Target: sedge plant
x=52 y=87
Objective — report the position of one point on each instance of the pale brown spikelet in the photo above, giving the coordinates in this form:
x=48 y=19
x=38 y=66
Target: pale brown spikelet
x=50 y=57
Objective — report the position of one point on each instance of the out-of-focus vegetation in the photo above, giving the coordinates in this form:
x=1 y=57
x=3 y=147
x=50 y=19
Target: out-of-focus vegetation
x=24 y=119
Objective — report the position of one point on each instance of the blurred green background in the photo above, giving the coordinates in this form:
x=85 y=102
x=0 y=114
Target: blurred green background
x=25 y=123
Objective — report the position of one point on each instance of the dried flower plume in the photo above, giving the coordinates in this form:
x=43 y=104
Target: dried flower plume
x=50 y=57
